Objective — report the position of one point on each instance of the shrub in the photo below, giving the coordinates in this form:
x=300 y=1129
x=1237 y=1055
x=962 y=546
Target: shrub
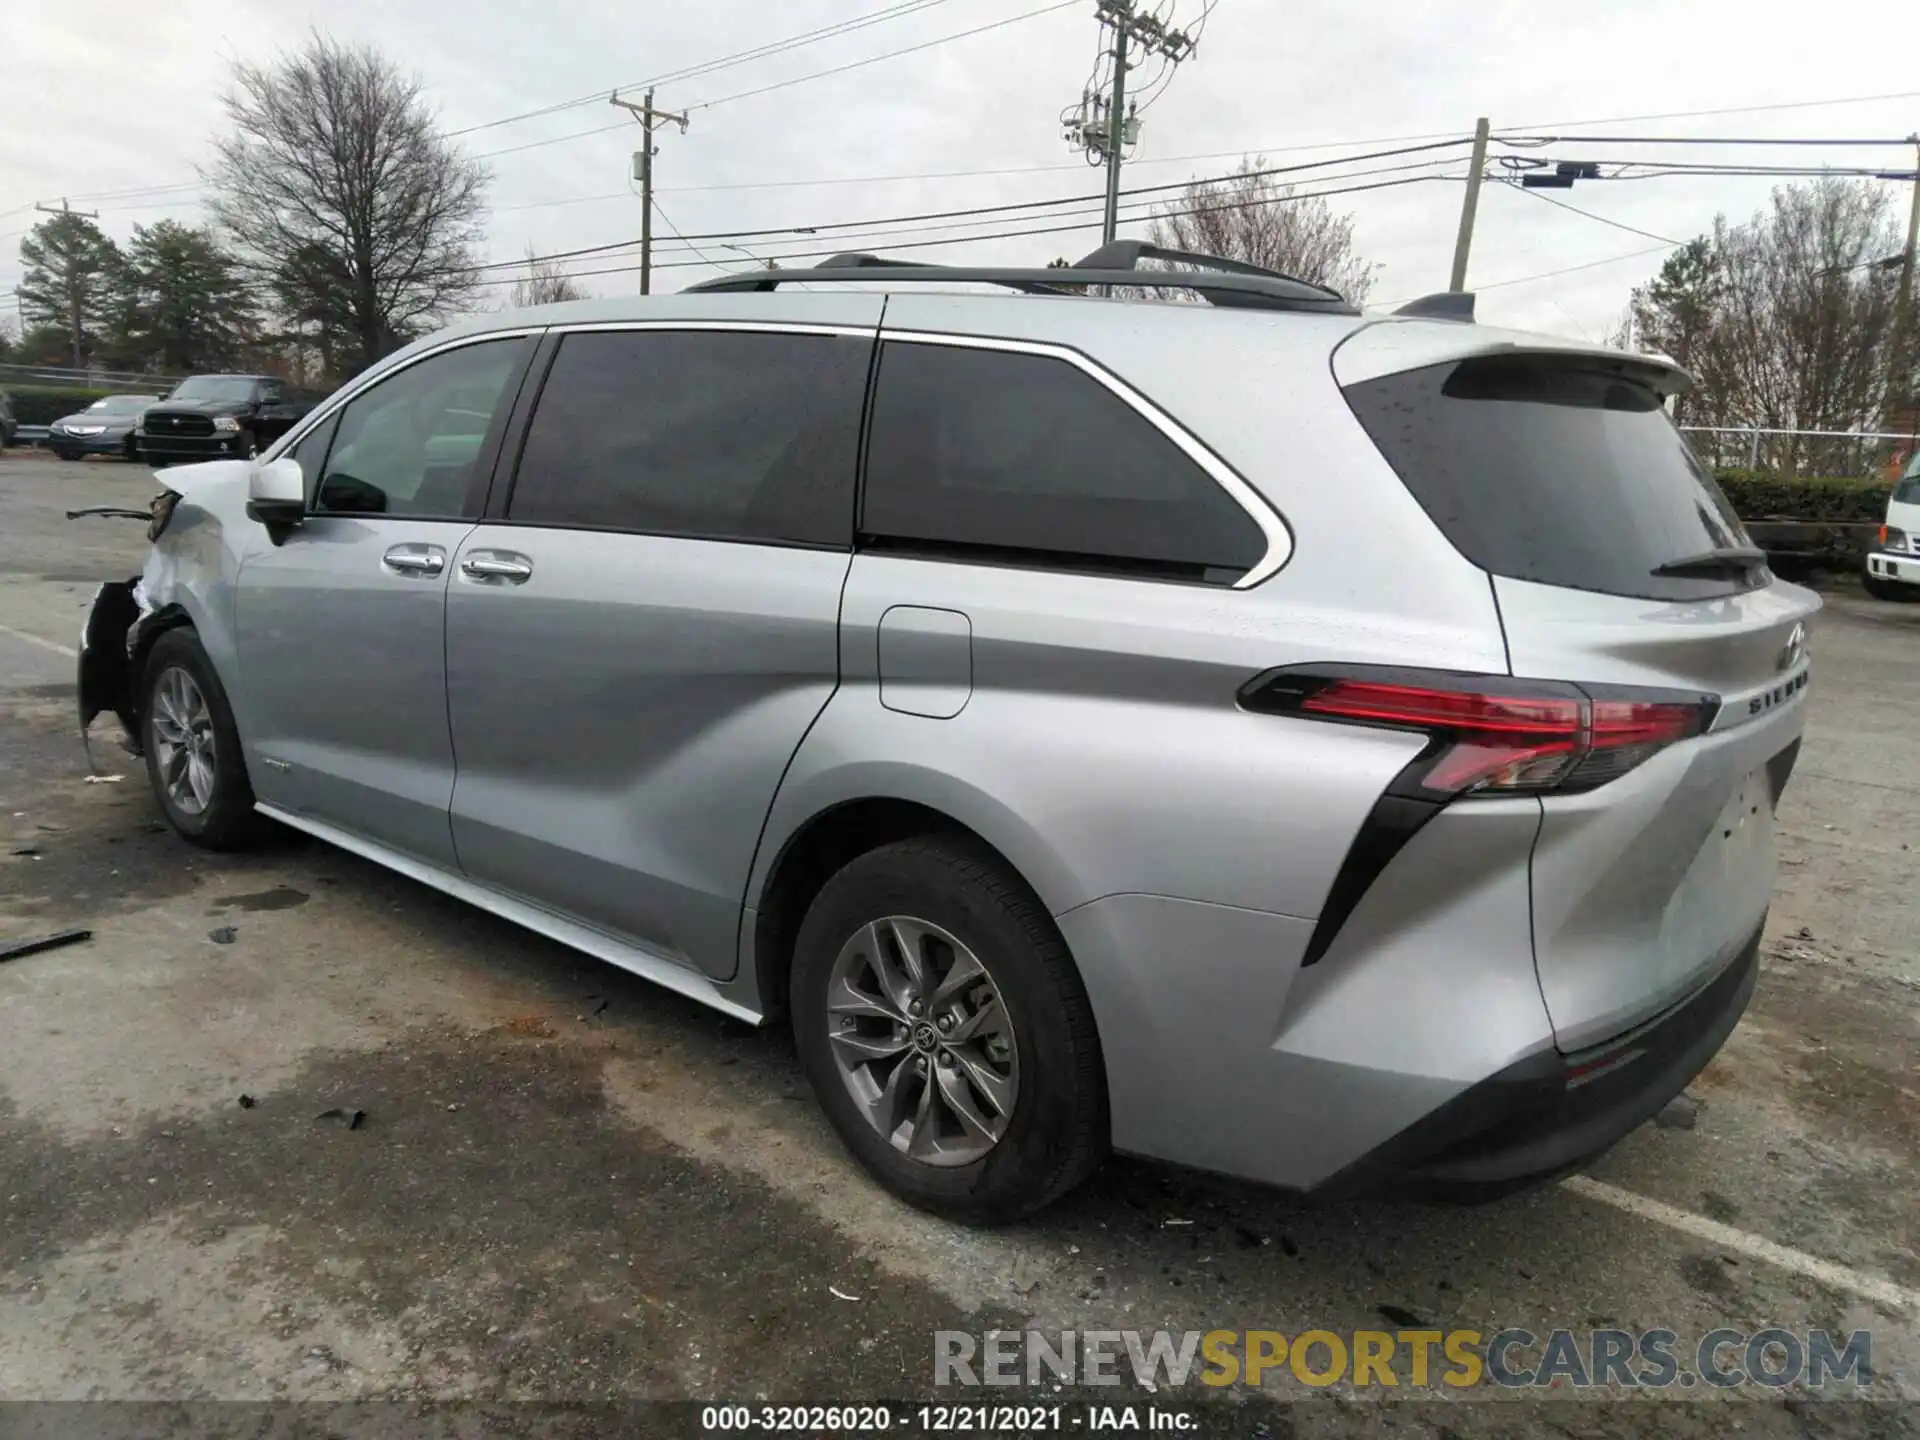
x=1828 y=499
x=44 y=404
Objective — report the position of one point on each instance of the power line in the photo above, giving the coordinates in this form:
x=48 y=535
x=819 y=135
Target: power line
x=1510 y=138
x=1571 y=269
x=890 y=55
x=1006 y=208
x=889 y=231
x=1616 y=224
x=739 y=57
x=1064 y=229
x=1725 y=110
x=783 y=84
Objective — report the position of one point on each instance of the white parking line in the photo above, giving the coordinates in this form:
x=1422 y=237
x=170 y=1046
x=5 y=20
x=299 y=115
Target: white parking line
x=53 y=645
x=1754 y=1247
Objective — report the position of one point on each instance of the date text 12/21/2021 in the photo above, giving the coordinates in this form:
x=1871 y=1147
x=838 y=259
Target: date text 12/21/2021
x=960 y=1419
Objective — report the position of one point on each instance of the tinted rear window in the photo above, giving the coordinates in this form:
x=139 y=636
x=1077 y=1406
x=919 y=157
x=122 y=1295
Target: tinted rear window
x=1565 y=473
x=1026 y=459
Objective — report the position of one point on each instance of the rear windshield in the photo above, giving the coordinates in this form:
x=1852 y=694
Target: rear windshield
x=1555 y=470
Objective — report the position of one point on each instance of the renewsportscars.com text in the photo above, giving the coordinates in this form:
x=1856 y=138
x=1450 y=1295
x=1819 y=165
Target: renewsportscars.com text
x=1457 y=1359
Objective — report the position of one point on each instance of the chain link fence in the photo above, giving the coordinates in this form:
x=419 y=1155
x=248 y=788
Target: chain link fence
x=1852 y=454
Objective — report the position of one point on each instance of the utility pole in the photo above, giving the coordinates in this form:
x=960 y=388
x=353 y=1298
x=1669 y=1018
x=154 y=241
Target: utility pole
x=1463 y=242
x=1900 y=392
x=72 y=278
x=643 y=172
x=1102 y=126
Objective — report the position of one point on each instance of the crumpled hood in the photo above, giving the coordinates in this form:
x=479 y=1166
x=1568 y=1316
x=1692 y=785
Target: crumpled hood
x=209 y=482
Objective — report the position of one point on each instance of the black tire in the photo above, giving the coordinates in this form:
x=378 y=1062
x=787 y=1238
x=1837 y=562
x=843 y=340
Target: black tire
x=1892 y=590
x=130 y=452
x=1057 y=1133
x=228 y=821
x=66 y=454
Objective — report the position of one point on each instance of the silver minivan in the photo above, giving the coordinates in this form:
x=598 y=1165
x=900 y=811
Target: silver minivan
x=1334 y=749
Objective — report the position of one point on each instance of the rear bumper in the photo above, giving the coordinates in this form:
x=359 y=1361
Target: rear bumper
x=1886 y=565
x=1551 y=1113
x=224 y=445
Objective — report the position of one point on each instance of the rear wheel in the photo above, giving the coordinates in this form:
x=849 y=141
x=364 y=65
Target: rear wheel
x=947 y=1034
x=192 y=747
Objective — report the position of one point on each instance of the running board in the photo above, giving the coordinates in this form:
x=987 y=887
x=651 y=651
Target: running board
x=597 y=943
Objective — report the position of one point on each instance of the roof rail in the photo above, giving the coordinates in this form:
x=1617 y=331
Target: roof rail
x=1127 y=255
x=1445 y=305
x=1225 y=283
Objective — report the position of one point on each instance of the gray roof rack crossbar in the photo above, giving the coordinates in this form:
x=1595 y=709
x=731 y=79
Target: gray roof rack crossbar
x=1241 y=287
x=1127 y=255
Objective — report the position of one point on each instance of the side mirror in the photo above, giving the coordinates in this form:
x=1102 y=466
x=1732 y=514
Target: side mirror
x=277 y=496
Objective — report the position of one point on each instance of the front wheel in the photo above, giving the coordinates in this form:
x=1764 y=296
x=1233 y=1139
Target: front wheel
x=947 y=1034
x=66 y=454
x=193 y=750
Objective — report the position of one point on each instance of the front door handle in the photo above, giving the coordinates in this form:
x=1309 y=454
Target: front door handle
x=415 y=559
x=502 y=565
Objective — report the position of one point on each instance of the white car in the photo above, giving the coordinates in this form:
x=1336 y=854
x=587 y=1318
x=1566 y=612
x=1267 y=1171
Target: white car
x=1893 y=565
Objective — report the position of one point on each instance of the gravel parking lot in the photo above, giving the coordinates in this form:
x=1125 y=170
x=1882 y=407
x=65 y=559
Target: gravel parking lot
x=570 y=1186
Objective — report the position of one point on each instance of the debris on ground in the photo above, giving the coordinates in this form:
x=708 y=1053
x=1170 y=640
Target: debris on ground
x=247 y=1102
x=1171 y=1223
x=1680 y=1113
x=1402 y=1317
x=32 y=847
x=1025 y=1274
x=840 y=1294
x=104 y=779
x=225 y=935
x=14 y=949
x=352 y=1119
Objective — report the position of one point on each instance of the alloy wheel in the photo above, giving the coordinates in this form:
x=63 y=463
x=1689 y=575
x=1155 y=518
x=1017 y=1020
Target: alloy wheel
x=922 y=1040
x=183 y=741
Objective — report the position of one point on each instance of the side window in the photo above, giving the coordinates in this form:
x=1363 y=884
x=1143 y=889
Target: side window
x=1027 y=459
x=722 y=435
x=408 y=446
x=311 y=453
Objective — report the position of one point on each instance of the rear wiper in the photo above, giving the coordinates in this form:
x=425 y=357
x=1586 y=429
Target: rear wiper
x=1735 y=560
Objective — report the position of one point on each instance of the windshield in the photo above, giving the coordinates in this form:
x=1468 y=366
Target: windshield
x=119 y=404
x=213 y=387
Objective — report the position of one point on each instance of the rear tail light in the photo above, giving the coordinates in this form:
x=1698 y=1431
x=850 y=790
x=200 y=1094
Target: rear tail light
x=1490 y=735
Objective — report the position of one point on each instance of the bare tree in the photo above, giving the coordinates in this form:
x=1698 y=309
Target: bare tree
x=1803 y=316
x=334 y=173
x=1249 y=216
x=545 y=283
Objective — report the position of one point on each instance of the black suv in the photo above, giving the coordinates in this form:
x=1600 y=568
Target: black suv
x=218 y=417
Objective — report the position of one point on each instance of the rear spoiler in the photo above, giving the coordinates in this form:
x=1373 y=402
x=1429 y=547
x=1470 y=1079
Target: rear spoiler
x=1392 y=342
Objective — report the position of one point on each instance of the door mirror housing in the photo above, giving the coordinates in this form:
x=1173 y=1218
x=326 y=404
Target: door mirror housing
x=277 y=496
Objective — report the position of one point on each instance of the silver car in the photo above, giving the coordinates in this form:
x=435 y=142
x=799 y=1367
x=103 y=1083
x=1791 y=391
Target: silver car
x=1334 y=749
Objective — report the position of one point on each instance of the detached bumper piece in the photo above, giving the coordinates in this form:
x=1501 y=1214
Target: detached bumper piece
x=1552 y=1113
x=105 y=680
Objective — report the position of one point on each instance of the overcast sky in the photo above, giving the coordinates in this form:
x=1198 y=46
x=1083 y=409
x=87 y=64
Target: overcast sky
x=105 y=99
